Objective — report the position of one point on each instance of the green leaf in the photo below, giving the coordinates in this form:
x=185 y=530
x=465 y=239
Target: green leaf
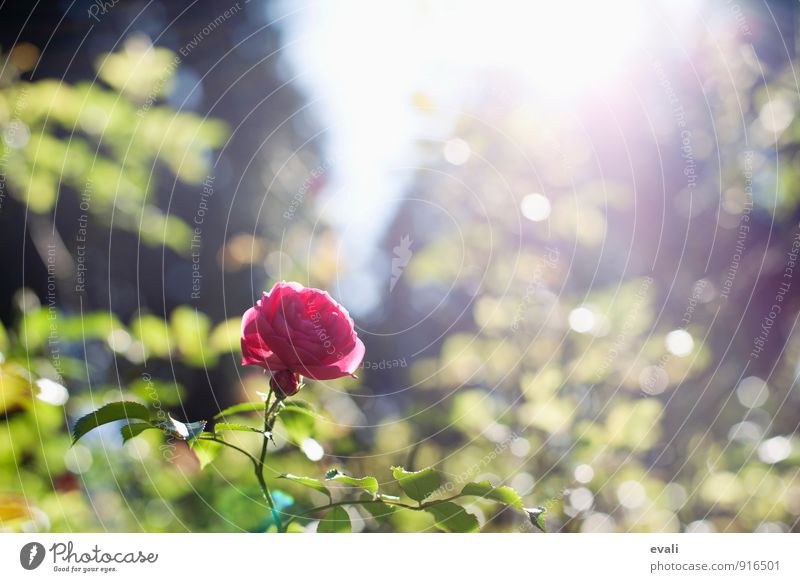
x=133 y=429
x=185 y=431
x=225 y=336
x=3 y=339
x=299 y=406
x=125 y=410
x=221 y=426
x=154 y=334
x=308 y=482
x=335 y=521
x=417 y=485
x=299 y=425
x=380 y=511
x=369 y=484
x=190 y=330
x=34 y=328
x=502 y=494
x=536 y=515
x=298 y=403
x=453 y=518
x=15 y=387
x=302 y=407
x=205 y=450
x=94 y=325
x=239 y=408
x=166 y=393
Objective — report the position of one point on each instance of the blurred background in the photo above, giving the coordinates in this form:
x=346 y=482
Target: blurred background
x=568 y=234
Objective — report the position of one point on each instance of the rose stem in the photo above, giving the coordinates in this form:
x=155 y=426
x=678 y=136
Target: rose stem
x=260 y=465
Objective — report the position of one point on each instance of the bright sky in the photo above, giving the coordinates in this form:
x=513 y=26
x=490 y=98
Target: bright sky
x=367 y=65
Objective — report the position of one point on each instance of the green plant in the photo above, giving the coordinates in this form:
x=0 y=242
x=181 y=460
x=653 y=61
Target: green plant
x=421 y=490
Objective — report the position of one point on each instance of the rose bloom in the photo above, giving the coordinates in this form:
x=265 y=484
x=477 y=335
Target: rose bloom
x=294 y=331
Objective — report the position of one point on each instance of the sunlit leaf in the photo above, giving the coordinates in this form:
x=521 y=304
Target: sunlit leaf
x=41 y=192
x=140 y=71
x=223 y=426
x=96 y=325
x=300 y=406
x=225 y=337
x=417 y=485
x=299 y=425
x=378 y=510
x=154 y=334
x=536 y=515
x=133 y=429
x=205 y=450
x=190 y=330
x=502 y=494
x=335 y=521
x=369 y=484
x=34 y=329
x=157 y=391
x=109 y=413
x=314 y=484
x=240 y=408
x=15 y=387
x=453 y=518
x=159 y=229
x=3 y=339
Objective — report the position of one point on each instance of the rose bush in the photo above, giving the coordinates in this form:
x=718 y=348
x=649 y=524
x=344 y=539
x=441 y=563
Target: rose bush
x=293 y=331
x=296 y=331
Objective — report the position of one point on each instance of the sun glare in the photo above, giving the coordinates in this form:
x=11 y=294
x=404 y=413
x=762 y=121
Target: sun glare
x=564 y=47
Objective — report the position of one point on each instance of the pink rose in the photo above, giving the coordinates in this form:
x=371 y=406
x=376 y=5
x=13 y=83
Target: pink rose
x=294 y=331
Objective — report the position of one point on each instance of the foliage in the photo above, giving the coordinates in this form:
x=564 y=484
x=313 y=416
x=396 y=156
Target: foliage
x=512 y=417
x=116 y=134
x=420 y=486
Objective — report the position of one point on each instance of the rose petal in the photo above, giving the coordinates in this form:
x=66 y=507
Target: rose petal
x=344 y=367
x=303 y=330
x=255 y=350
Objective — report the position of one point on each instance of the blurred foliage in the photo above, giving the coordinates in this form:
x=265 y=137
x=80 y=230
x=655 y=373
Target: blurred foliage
x=562 y=358
x=104 y=141
x=547 y=366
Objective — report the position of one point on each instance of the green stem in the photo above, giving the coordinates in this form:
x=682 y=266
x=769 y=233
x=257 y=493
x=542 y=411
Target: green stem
x=265 y=490
x=232 y=446
x=258 y=466
x=268 y=422
x=259 y=470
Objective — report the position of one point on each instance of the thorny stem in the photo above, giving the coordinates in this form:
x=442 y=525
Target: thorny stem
x=268 y=422
x=258 y=465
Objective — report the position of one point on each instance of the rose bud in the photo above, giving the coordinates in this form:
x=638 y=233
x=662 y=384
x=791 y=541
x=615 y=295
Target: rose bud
x=285 y=383
x=303 y=332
